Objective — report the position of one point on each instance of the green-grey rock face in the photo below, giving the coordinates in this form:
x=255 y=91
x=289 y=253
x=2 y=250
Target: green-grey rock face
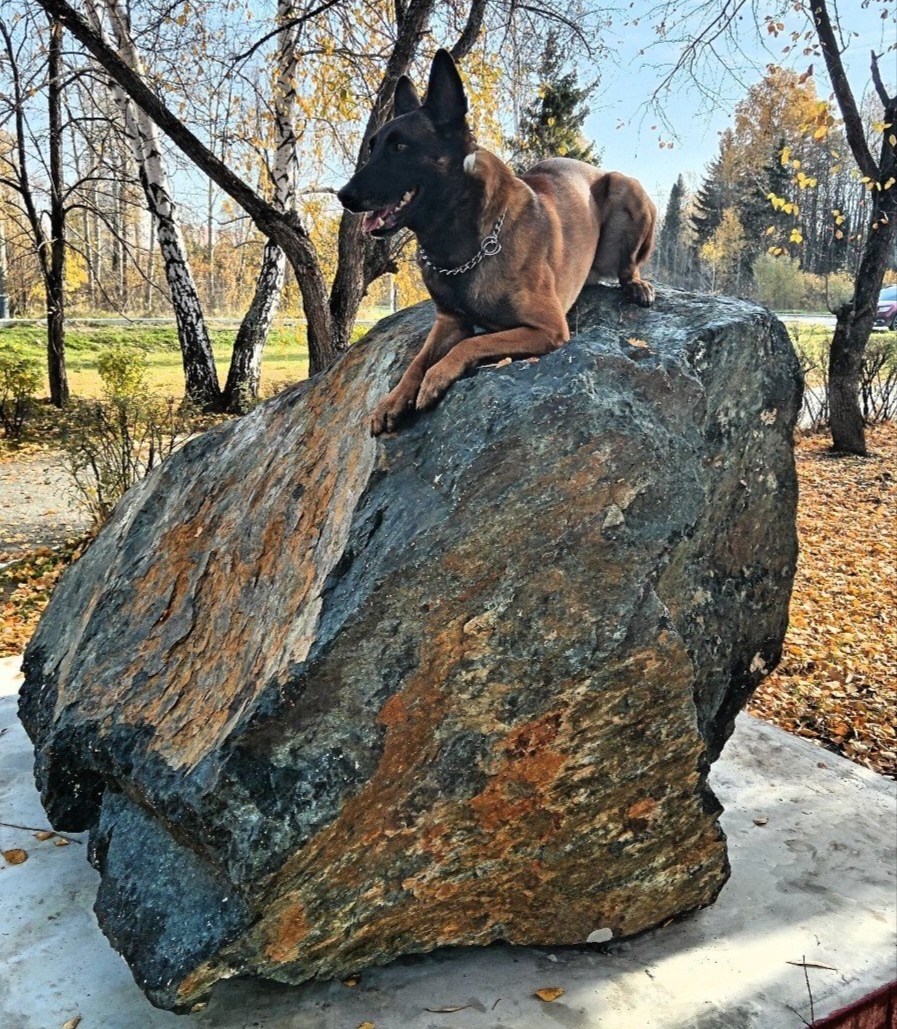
x=324 y=700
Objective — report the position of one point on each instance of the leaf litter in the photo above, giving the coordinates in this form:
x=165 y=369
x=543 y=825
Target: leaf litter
x=837 y=681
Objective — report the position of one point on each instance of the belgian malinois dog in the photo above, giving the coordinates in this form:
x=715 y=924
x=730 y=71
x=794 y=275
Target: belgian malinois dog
x=498 y=252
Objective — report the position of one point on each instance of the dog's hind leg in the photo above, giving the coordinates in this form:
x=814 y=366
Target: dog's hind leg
x=634 y=287
x=627 y=235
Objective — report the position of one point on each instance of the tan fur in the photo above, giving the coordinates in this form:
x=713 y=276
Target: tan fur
x=566 y=224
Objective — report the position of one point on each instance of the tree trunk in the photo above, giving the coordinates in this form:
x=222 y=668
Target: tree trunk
x=149 y=284
x=56 y=372
x=844 y=366
x=243 y=378
x=200 y=375
x=854 y=324
x=855 y=319
x=4 y=276
x=362 y=259
x=854 y=327
x=55 y=271
x=244 y=374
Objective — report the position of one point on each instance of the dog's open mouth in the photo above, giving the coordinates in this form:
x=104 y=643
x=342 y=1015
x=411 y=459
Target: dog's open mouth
x=387 y=218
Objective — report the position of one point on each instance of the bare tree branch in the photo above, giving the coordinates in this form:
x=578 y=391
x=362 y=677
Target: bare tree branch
x=292 y=23
x=145 y=98
x=471 y=32
x=879 y=85
x=853 y=123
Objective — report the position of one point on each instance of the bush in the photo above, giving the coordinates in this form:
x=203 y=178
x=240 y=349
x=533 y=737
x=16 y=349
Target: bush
x=811 y=346
x=878 y=382
x=780 y=282
x=111 y=445
x=20 y=379
x=122 y=370
x=878 y=375
x=827 y=292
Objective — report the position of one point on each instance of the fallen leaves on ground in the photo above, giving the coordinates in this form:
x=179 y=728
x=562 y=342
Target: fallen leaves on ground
x=15 y=856
x=25 y=586
x=837 y=681
x=550 y=993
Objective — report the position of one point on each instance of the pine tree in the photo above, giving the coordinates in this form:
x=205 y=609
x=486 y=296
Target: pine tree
x=672 y=258
x=756 y=212
x=551 y=126
x=709 y=204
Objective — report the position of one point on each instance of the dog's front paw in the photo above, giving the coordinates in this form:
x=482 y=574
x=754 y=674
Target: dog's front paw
x=435 y=386
x=639 y=292
x=389 y=413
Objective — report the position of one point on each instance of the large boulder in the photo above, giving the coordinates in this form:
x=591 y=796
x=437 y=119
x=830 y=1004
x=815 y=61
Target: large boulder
x=323 y=700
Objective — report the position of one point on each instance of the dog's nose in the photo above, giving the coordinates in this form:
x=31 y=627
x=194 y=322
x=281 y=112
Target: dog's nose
x=348 y=199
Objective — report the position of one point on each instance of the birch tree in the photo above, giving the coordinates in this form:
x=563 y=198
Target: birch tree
x=330 y=313
x=246 y=361
x=201 y=381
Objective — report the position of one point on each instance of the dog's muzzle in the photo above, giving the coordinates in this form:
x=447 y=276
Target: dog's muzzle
x=348 y=199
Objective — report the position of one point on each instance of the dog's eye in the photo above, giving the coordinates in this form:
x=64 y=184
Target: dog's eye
x=399 y=147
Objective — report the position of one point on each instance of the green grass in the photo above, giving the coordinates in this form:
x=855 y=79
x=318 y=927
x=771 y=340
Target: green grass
x=285 y=359
x=812 y=343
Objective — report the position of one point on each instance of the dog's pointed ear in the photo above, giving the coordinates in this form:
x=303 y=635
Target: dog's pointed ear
x=446 y=100
x=406 y=99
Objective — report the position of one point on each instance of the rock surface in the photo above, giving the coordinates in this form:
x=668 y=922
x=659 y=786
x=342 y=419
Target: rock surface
x=324 y=700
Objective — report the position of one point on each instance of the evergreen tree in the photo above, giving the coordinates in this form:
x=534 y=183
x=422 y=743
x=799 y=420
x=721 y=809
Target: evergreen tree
x=671 y=256
x=551 y=126
x=709 y=204
x=755 y=210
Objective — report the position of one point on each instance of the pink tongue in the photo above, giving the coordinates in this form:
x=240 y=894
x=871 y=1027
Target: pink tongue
x=374 y=219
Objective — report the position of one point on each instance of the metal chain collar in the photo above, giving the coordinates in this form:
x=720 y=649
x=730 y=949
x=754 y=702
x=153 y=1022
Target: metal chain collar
x=488 y=248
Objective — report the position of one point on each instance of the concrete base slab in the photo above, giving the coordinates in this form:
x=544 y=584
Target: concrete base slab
x=815 y=881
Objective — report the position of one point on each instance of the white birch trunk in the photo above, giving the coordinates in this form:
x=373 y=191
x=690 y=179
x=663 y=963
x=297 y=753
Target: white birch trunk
x=245 y=368
x=196 y=349
x=4 y=276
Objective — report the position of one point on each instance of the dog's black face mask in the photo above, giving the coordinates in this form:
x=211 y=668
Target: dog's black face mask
x=413 y=158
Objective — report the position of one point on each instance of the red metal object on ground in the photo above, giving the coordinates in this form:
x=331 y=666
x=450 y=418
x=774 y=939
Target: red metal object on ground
x=878 y=1010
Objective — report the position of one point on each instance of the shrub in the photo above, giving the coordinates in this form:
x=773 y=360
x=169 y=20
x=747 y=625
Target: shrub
x=827 y=292
x=878 y=375
x=811 y=346
x=20 y=379
x=878 y=379
x=780 y=282
x=111 y=445
x=122 y=370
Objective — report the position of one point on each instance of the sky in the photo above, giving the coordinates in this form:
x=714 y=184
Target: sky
x=630 y=133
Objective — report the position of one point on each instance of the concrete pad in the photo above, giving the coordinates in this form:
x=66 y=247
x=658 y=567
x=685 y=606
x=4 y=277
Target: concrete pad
x=10 y=676
x=815 y=882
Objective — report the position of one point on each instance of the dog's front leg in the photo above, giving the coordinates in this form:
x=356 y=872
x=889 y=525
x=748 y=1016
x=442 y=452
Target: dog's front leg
x=522 y=342
x=446 y=332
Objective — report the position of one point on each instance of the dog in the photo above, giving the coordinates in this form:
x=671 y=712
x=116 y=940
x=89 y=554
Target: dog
x=503 y=253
